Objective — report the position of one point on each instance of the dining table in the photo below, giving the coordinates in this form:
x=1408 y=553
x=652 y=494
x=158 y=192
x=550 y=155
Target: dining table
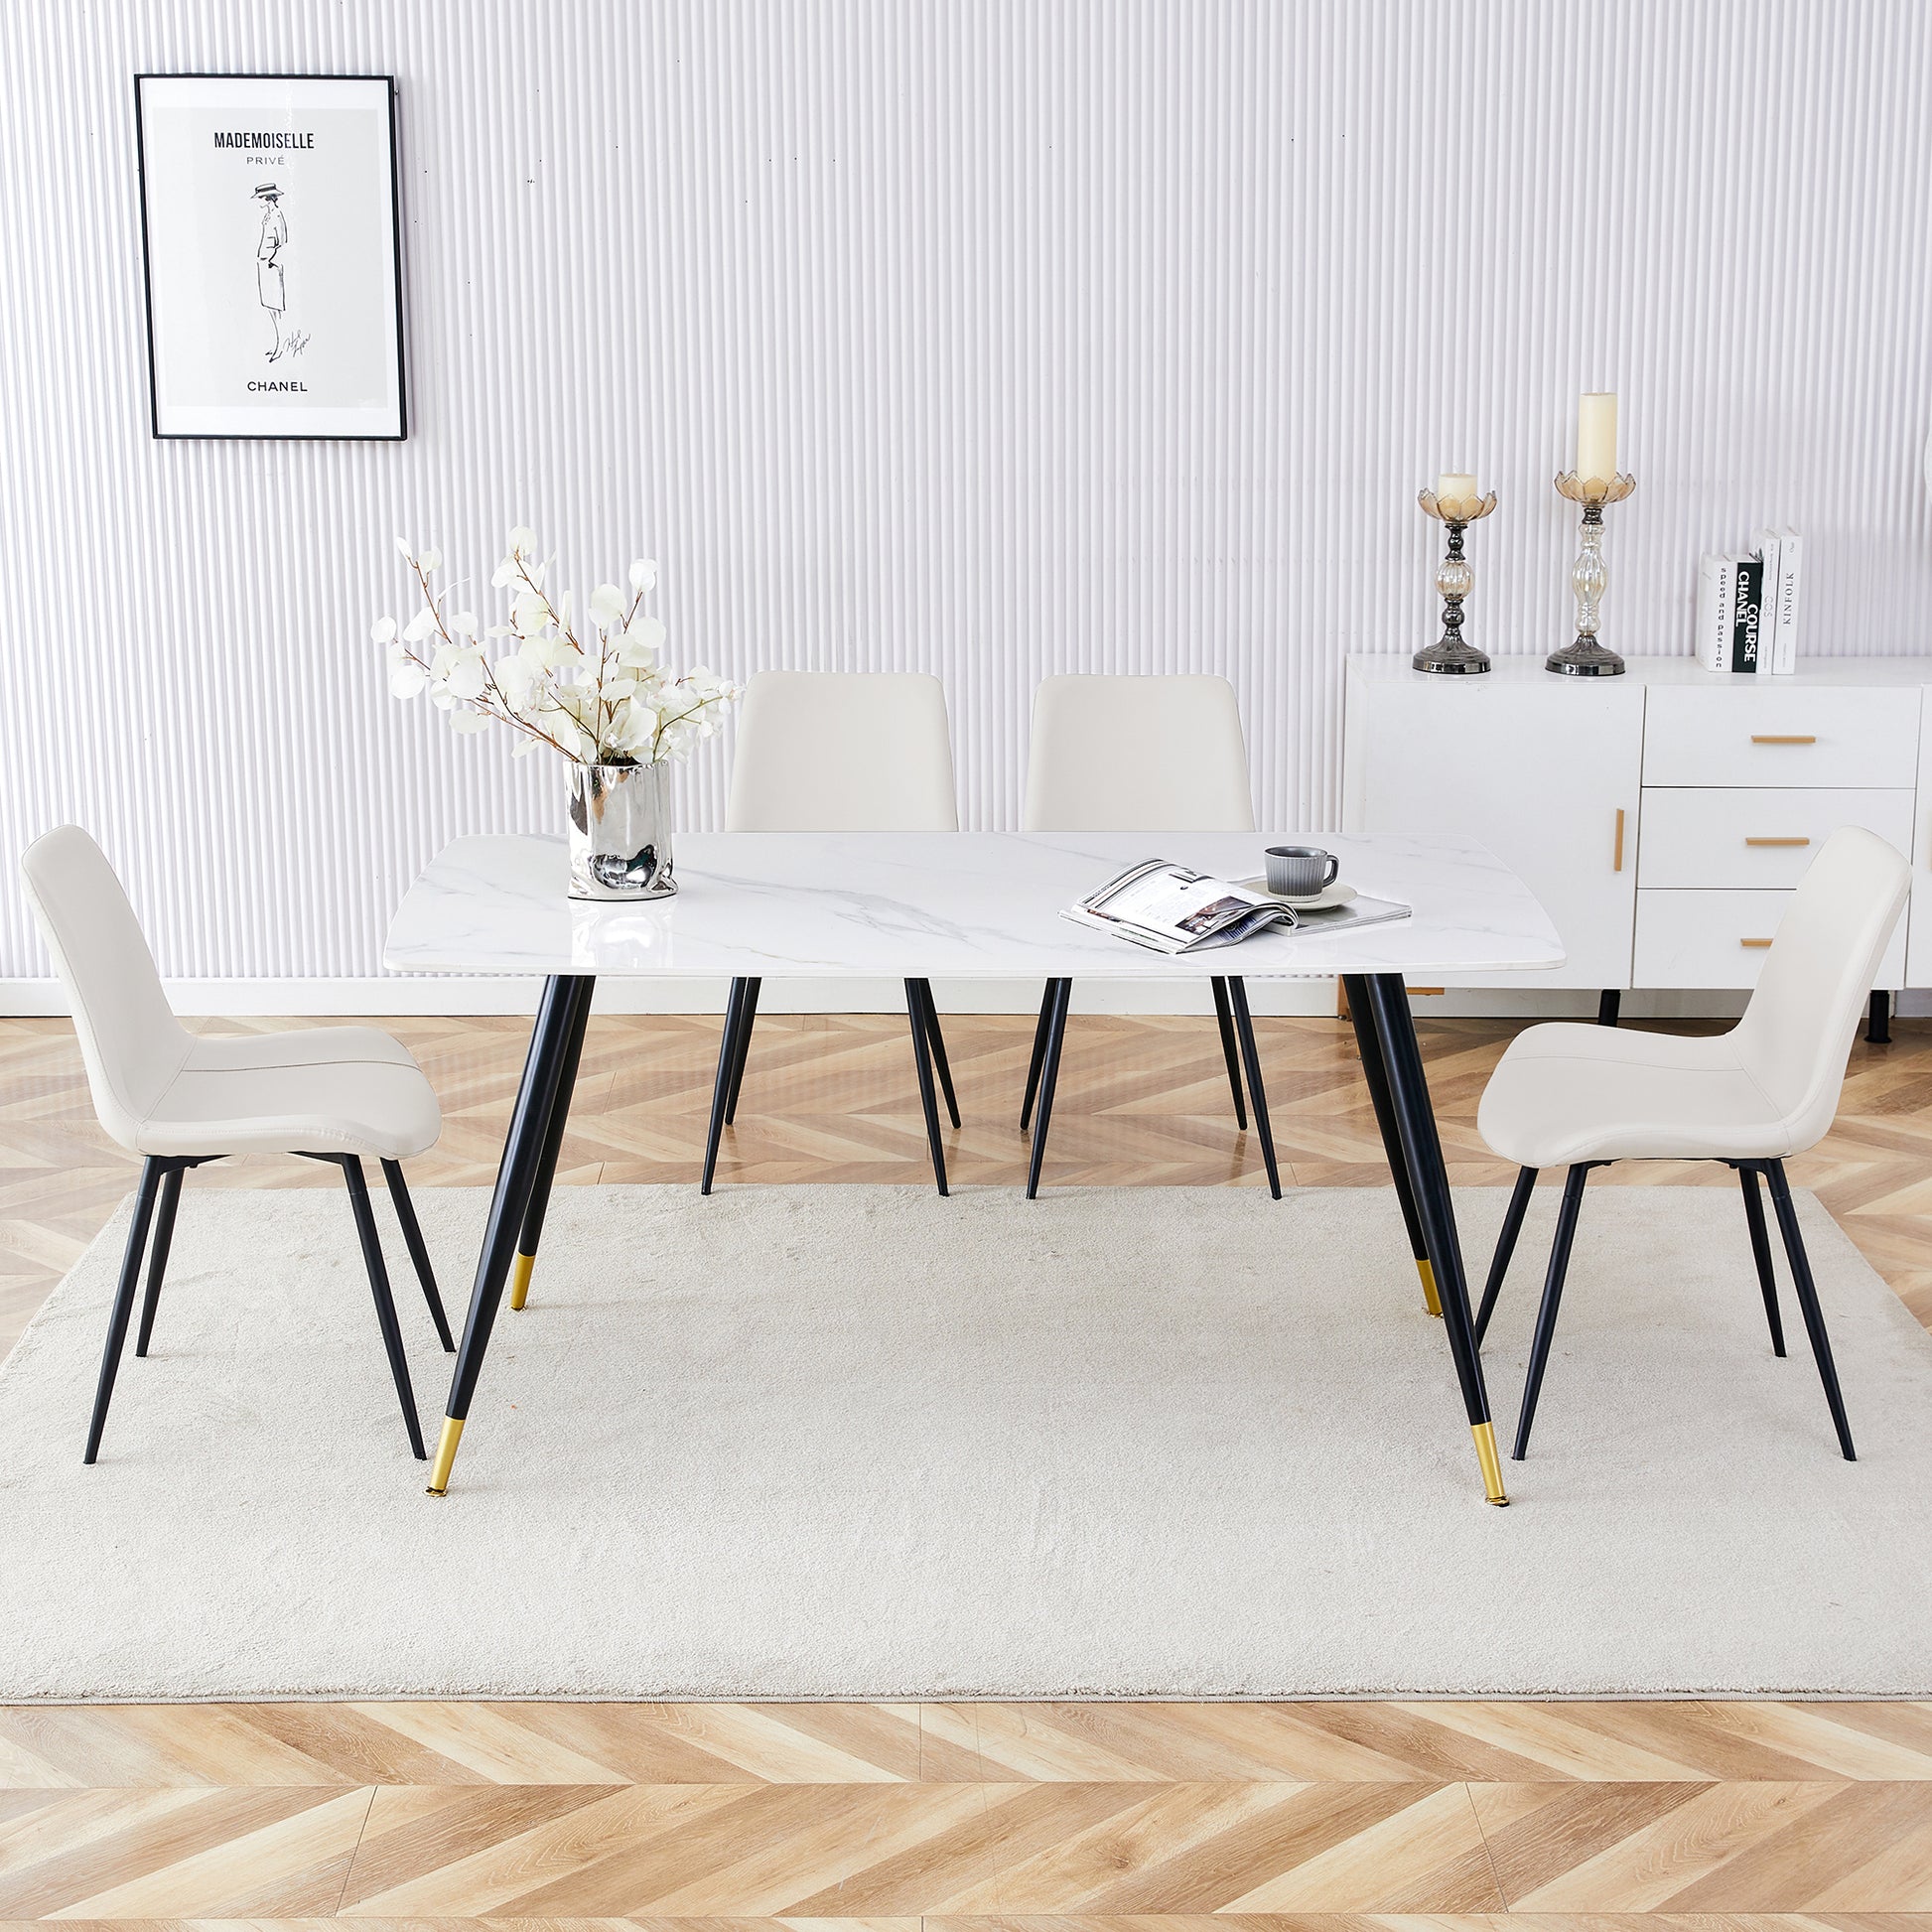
x=976 y=906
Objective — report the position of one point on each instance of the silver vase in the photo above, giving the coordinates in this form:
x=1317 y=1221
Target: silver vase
x=621 y=832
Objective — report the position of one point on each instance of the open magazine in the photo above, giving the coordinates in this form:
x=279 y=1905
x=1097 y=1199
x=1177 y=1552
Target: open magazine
x=1174 y=909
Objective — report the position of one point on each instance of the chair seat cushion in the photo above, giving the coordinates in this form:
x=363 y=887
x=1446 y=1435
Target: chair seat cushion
x=324 y=1091
x=1567 y=1093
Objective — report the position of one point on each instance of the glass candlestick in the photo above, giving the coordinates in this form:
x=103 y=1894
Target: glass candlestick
x=1451 y=654
x=1590 y=577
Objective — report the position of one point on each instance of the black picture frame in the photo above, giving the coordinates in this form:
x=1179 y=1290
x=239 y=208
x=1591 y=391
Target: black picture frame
x=400 y=432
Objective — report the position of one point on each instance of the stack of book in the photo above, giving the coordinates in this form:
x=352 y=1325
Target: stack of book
x=1748 y=607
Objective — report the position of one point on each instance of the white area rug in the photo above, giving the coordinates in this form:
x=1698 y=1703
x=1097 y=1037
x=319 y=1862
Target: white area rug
x=859 y=1442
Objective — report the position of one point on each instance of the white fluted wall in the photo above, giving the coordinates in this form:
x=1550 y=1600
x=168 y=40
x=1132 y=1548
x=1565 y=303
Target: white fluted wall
x=986 y=338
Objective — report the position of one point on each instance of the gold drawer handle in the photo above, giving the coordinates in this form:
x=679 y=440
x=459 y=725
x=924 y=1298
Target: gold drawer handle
x=1778 y=841
x=1753 y=942
x=1784 y=738
x=1617 y=857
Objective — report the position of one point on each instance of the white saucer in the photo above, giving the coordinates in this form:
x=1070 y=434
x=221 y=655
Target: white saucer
x=1336 y=893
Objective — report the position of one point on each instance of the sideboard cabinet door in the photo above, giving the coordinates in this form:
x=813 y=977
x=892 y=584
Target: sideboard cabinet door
x=1546 y=772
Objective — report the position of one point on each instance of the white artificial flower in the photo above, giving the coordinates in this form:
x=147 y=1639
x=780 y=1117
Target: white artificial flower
x=464 y=623
x=382 y=630
x=431 y=559
x=525 y=746
x=406 y=680
x=402 y=544
x=523 y=541
x=468 y=679
x=607 y=606
x=469 y=722
x=498 y=631
x=528 y=614
x=506 y=573
x=420 y=625
x=643 y=575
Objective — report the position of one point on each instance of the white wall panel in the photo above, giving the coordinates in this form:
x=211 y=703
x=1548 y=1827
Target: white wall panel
x=988 y=339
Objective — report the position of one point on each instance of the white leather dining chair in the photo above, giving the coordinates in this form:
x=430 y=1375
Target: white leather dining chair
x=1580 y=1097
x=181 y=1100
x=1140 y=754
x=840 y=751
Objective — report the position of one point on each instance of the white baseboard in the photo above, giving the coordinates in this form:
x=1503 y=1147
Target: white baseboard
x=364 y=998
x=373 y=997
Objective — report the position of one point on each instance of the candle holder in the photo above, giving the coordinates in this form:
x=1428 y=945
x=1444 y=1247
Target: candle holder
x=1451 y=654
x=1588 y=577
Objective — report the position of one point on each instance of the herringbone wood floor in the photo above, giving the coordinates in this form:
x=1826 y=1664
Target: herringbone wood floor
x=1064 y=1818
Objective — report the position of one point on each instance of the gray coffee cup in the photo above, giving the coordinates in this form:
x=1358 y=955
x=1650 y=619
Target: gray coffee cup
x=1300 y=870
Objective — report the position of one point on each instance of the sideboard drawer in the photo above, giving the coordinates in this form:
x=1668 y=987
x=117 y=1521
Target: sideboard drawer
x=1715 y=938
x=1701 y=835
x=1715 y=735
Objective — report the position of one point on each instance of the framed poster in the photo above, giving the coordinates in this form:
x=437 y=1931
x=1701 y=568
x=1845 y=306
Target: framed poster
x=273 y=238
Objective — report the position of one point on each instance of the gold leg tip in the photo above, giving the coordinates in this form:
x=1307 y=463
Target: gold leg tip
x=1492 y=1468
x=520 y=1279
x=438 y=1475
x=1430 y=1300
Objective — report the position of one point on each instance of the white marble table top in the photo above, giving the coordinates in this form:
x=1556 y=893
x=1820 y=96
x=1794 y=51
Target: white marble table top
x=975 y=904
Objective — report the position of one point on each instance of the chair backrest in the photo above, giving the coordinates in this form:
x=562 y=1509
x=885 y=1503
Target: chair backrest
x=843 y=752
x=130 y=1039
x=1128 y=754
x=1796 y=1033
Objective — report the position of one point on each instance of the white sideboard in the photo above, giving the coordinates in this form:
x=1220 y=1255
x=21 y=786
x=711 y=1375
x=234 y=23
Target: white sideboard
x=1664 y=816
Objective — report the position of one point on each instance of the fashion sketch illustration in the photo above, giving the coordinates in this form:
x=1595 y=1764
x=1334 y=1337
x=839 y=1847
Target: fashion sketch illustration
x=271 y=283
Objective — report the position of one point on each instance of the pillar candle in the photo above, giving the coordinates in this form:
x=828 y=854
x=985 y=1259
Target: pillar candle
x=1452 y=487
x=1597 y=437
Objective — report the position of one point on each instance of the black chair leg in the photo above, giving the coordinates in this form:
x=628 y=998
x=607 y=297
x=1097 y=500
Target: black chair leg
x=153 y=1172
x=920 y=1023
x=1519 y=1201
x=164 y=1236
x=1060 y=995
x=1767 y=1280
x=938 y=1044
x=1821 y=1343
x=412 y=1236
x=1229 y=1051
x=1244 y=1028
x=1546 y=1319
x=1042 y=1030
x=746 y=1023
x=721 y=1086
x=385 y=1306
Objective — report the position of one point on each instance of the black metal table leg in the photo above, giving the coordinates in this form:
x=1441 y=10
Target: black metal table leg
x=515 y=1173
x=1422 y=1150
x=1243 y=1032
x=1041 y=1028
x=920 y=1021
x=1375 y=1074
x=748 y=1018
x=937 y=1041
x=1059 y=994
x=723 y=1085
x=1230 y=1053
x=553 y=1140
